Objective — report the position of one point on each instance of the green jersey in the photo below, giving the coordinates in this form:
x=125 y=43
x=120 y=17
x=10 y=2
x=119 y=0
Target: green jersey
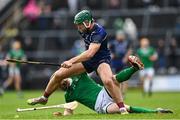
x=80 y=92
x=145 y=54
x=16 y=54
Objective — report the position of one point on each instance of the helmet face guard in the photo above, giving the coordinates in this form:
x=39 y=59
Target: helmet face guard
x=83 y=16
x=87 y=26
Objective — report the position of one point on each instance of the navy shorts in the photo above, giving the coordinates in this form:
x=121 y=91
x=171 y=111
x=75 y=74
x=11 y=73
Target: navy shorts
x=92 y=65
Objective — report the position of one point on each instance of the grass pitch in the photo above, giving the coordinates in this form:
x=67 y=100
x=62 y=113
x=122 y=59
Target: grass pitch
x=9 y=102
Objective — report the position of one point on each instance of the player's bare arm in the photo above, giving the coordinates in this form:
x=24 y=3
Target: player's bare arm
x=86 y=55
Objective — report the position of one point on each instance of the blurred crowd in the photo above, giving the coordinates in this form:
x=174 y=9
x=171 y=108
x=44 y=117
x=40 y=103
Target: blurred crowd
x=53 y=14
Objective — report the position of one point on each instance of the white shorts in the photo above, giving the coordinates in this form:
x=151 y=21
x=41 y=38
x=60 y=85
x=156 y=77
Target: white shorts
x=146 y=72
x=14 y=71
x=103 y=101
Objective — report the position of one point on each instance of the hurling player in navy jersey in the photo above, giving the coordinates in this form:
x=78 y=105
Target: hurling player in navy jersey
x=96 y=57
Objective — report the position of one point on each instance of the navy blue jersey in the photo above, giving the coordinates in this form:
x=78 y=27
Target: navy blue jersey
x=97 y=35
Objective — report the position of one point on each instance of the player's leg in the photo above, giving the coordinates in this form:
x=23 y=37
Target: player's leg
x=8 y=82
x=10 y=78
x=112 y=86
x=60 y=75
x=128 y=72
x=142 y=75
x=125 y=74
x=113 y=108
x=55 y=81
x=17 y=82
x=134 y=109
x=150 y=75
x=124 y=88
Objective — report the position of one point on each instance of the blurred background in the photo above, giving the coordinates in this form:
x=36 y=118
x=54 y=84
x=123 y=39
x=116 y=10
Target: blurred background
x=46 y=32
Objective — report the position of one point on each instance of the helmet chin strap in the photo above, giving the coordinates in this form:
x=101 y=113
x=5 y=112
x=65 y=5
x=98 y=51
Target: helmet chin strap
x=87 y=26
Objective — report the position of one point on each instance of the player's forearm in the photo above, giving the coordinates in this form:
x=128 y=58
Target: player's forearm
x=82 y=57
x=86 y=55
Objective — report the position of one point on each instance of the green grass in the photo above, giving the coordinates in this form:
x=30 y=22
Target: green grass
x=9 y=102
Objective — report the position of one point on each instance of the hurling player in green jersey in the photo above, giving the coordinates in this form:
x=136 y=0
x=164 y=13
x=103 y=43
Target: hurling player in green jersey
x=148 y=55
x=83 y=89
x=16 y=52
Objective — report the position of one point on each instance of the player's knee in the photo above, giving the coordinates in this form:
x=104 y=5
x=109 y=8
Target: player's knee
x=108 y=81
x=58 y=75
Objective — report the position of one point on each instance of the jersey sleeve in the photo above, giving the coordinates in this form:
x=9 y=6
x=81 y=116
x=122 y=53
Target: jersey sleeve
x=98 y=37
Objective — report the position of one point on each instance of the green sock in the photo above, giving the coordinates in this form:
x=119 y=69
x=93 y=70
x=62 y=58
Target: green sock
x=141 y=110
x=125 y=74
